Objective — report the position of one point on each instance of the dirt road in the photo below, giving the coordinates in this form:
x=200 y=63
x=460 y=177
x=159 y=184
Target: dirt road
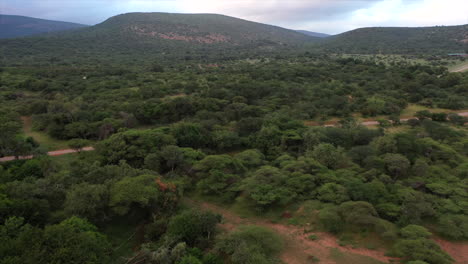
x=50 y=153
x=331 y=124
x=462 y=69
x=370 y=122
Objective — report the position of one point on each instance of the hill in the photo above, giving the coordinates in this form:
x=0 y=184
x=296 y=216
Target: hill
x=20 y=26
x=313 y=34
x=157 y=35
x=398 y=40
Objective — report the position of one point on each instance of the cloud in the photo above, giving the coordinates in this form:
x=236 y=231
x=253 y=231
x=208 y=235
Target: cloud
x=328 y=16
x=290 y=11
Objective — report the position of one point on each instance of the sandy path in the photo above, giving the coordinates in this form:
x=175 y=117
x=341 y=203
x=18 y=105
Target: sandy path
x=299 y=248
x=368 y=122
x=50 y=153
x=462 y=69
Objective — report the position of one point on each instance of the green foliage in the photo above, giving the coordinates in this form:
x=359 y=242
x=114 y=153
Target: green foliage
x=330 y=156
x=78 y=144
x=453 y=226
x=414 y=232
x=88 y=201
x=267 y=187
x=140 y=191
x=251 y=244
x=194 y=228
x=74 y=240
x=397 y=40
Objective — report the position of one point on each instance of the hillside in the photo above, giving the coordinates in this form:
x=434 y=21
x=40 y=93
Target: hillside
x=314 y=34
x=20 y=26
x=395 y=40
x=158 y=35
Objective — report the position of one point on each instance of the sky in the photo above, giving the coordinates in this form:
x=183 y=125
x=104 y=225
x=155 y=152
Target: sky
x=326 y=16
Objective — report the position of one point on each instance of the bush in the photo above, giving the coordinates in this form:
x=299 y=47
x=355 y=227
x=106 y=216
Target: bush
x=194 y=227
x=251 y=245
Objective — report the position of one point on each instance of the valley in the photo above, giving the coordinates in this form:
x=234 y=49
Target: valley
x=164 y=138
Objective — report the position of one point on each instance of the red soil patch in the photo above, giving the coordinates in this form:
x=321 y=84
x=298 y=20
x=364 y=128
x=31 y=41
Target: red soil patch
x=299 y=248
x=209 y=38
x=457 y=250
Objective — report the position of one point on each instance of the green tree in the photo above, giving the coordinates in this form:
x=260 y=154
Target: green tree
x=140 y=192
x=251 y=245
x=196 y=228
x=396 y=164
x=78 y=144
x=333 y=193
x=330 y=156
x=88 y=201
x=267 y=187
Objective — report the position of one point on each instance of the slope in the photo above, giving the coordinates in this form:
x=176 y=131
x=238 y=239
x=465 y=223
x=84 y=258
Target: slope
x=159 y=36
x=20 y=26
x=395 y=40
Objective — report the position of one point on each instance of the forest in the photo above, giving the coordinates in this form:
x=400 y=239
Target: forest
x=234 y=134
x=255 y=153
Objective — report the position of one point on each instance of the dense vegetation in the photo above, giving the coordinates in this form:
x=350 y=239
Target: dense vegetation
x=168 y=134
x=162 y=37
x=439 y=40
x=19 y=26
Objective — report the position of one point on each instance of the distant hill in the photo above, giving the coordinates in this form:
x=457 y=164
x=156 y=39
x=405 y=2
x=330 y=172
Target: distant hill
x=399 y=40
x=313 y=34
x=20 y=26
x=157 y=35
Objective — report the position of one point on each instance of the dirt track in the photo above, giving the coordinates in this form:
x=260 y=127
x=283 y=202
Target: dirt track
x=50 y=153
x=462 y=69
x=369 y=122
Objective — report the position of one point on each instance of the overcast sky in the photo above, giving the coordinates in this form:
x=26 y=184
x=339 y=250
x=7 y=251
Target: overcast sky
x=327 y=16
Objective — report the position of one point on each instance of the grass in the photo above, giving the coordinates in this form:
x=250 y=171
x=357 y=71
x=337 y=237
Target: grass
x=41 y=137
x=348 y=258
x=458 y=66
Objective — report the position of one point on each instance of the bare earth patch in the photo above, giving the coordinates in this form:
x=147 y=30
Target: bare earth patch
x=299 y=249
x=457 y=250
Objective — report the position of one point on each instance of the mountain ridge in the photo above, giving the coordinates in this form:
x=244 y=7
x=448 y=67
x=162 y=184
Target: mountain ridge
x=400 y=40
x=165 y=36
x=13 y=26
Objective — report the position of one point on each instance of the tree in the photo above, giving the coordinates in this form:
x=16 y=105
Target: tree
x=173 y=155
x=414 y=232
x=74 y=241
x=415 y=246
x=78 y=144
x=330 y=156
x=140 y=191
x=190 y=135
x=396 y=164
x=424 y=114
x=250 y=158
x=88 y=201
x=333 y=193
x=268 y=140
x=251 y=245
x=196 y=228
x=133 y=145
x=454 y=226
x=267 y=187
x=10 y=126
